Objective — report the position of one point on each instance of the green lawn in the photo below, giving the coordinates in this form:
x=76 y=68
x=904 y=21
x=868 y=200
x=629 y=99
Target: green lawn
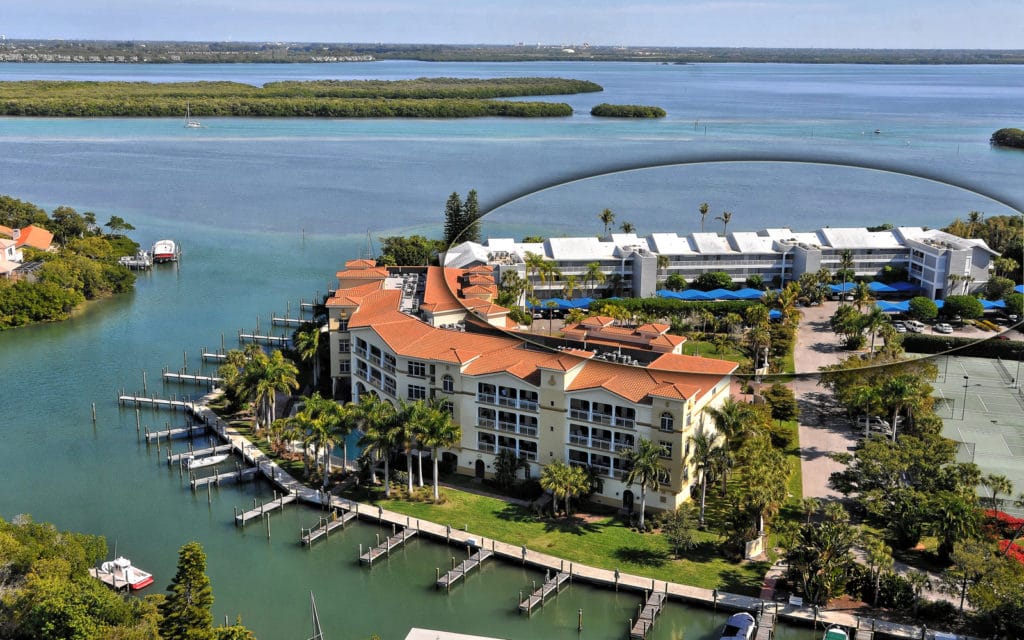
x=602 y=541
x=708 y=350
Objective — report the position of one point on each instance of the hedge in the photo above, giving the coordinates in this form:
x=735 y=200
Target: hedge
x=982 y=348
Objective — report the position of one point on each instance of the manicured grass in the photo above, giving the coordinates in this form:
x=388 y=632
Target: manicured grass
x=602 y=541
x=708 y=350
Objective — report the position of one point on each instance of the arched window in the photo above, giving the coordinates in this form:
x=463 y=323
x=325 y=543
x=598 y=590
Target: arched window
x=448 y=384
x=667 y=421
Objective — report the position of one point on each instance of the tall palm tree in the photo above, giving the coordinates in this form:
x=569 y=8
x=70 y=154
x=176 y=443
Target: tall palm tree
x=307 y=345
x=703 y=453
x=996 y=483
x=404 y=433
x=569 y=288
x=607 y=218
x=594 y=275
x=330 y=418
x=627 y=227
x=726 y=218
x=534 y=264
x=704 y=208
x=564 y=482
x=973 y=219
x=845 y=266
x=645 y=470
x=862 y=296
x=438 y=431
x=377 y=418
x=873 y=321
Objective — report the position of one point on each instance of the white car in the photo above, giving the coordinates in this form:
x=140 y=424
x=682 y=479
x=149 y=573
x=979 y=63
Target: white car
x=899 y=327
x=915 y=326
x=943 y=327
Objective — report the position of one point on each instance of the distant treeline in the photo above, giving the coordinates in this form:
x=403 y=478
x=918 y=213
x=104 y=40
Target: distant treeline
x=1009 y=137
x=285 y=52
x=423 y=98
x=606 y=110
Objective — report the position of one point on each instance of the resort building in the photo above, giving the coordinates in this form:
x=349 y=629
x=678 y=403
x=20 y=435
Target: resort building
x=937 y=262
x=406 y=333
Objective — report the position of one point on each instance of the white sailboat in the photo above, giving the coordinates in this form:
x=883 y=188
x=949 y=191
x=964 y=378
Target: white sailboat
x=189 y=122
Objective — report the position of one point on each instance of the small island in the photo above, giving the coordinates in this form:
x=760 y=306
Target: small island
x=421 y=98
x=1008 y=137
x=605 y=110
x=51 y=264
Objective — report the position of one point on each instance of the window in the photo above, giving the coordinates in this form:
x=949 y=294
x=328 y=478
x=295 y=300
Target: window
x=345 y=366
x=448 y=384
x=417 y=392
x=664 y=477
x=666 y=449
x=342 y=324
x=344 y=346
x=389 y=363
x=667 y=421
x=389 y=385
x=417 y=369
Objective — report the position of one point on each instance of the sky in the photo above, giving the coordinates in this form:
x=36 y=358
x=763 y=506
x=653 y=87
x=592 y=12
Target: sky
x=931 y=24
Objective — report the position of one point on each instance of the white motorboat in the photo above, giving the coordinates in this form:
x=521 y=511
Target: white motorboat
x=165 y=251
x=119 y=573
x=739 y=626
x=205 y=461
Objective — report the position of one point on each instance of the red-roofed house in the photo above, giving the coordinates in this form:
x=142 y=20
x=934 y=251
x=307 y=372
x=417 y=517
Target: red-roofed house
x=410 y=334
x=30 y=236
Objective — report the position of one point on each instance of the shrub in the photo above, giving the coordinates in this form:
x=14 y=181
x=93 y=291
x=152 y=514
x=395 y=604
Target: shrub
x=605 y=110
x=1008 y=137
x=923 y=309
x=925 y=343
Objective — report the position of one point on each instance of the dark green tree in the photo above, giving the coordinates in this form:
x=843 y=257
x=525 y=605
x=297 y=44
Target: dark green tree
x=675 y=282
x=117 y=224
x=923 y=309
x=677 y=527
x=409 y=251
x=186 y=610
x=471 y=218
x=712 y=280
x=967 y=307
x=454 y=222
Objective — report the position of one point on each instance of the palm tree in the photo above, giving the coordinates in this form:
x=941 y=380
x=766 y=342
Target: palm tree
x=551 y=305
x=703 y=454
x=879 y=558
x=809 y=506
x=594 y=275
x=873 y=321
x=534 y=264
x=569 y=288
x=564 y=482
x=973 y=219
x=404 y=432
x=645 y=470
x=438 y=430
x=663 y=262
x=627 y=227
x=307 y=345
x=862 y=296
x=845 y=265
x=607 y=218
x=379 y=438
x=703 y=208
x=997 y=483
x=265 y=377
x=726 y=218
x=919 y=581
x=866 y=398
x=332 y=424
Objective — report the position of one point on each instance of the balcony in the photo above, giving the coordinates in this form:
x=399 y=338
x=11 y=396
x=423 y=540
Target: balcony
x=486 y=447
x=486 y=423
x=525 y=405
x=359 y=352
x=599 y=443
x=528 y=430
x=486 y=398
x=622 y=447
x=506 y=426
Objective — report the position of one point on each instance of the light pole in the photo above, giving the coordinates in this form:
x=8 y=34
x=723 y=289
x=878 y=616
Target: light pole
x=963 y=407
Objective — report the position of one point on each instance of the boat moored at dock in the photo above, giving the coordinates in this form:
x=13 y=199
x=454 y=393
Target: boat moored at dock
x=120 y=574
x=199 y=462
x=739 y=626
x=165 y=251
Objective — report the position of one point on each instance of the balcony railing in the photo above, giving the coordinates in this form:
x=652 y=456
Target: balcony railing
x=506 y=426
x=486 y=423
x=599 y=443
x=486 y=447
x=602 y=418
x=619 y=447
x=527 y=430
x=486 y=398
x=359 y=352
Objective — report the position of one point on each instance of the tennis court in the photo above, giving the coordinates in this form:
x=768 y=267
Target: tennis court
x=981 y=402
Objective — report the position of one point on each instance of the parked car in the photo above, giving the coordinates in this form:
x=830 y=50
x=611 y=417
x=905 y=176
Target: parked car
x=915 y=326
x=943 y=327
x=899 y=327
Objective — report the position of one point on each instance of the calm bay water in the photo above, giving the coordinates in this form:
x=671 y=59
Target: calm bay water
x=267 y=210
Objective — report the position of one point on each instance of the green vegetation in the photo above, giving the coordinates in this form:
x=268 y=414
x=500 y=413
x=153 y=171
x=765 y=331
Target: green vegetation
x=1004 y=234
x=605 y=110
x=423 y=98
x=48 y=593
x=84 y=266
x=1009 y=137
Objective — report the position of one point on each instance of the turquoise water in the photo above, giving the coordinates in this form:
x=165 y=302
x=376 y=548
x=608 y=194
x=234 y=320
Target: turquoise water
x=268 y=210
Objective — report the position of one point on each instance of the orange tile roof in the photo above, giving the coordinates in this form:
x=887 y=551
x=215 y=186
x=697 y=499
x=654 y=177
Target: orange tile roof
x=653 y=328
x=31 y=235
x=637 y=383
x=350 y=296
x=481 y=268
x=476 y=278
x=376 y=272
x=693 y=364
x=597 y=321
x=361 y=263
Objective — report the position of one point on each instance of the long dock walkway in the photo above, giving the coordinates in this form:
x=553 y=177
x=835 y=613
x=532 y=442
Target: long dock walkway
x=652 y=608
x=551 y=586
x=191 y=378
x=284 y=321
x=766 y=622
x=326 y=526
x=475 y=560
x=385 y=548
x=278 y=341
x=213 y=356
x=159 y=403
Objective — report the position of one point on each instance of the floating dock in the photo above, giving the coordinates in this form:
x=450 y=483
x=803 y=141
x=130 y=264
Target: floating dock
x=266 y=507
x=142 y=261
x=326 y=526
x=174 y=458
x=550 y=586
x=394 y=541
x=218 y=478
x=459 y=572
x=651 y=610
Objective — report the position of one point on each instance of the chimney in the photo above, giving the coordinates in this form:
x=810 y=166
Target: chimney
x=15 y=234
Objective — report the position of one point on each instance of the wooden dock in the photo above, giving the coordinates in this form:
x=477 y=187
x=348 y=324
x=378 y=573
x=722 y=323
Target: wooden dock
x=643 y=624
x=538 y=597
x=326 y=526
x=864 y=634
x=174 y=458
x=191 y=378
x=453 y=576
x=266 y=507
x=180 y=433
x=213 y=356
x=277 y=341
x=217 y=478
x=766 y=623
x=283 y=321
x=161 y=403
x=394 y=541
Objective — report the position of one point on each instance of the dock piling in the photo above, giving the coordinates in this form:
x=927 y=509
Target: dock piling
x=94 y=413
